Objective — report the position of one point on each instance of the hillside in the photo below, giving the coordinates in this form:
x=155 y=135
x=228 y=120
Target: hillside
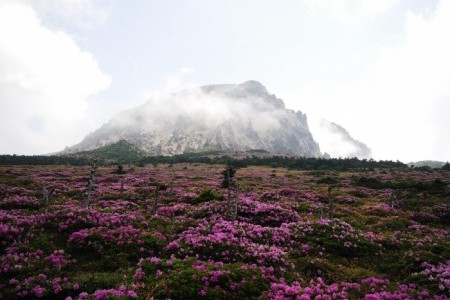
x=119 y=152
x=172 y=231
x=427 y=163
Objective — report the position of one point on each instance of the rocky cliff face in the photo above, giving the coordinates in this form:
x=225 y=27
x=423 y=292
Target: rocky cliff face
x=231 y=117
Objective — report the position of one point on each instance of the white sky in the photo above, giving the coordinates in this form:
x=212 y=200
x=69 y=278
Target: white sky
x=379 y=68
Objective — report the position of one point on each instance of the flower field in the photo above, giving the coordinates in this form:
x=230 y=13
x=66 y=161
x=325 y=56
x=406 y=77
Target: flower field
x=173 y=232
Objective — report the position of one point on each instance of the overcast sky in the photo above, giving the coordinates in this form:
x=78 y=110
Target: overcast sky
x=379 y=68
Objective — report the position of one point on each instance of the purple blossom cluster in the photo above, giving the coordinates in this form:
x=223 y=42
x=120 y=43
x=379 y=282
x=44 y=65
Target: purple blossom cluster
x=103 y=294
x=173 y=210
x=230 y=241
x=264 y=213
x=440 y=274
x=42 y=274
x=209 y=279
x=71 y=218
x=101 y=238
x=251 y=211
x=8 y=233
x=18 y=202
x=369 y=289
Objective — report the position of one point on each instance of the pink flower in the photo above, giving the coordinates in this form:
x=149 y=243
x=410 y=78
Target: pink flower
x=39 y=291
x=132 y=294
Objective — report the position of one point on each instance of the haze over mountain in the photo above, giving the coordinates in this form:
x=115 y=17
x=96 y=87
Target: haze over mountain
x=228 y=117
x=336 y=141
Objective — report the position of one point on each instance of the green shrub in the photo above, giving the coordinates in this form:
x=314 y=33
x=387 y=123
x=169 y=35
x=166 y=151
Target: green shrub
x=206 y=195
x=190 y=279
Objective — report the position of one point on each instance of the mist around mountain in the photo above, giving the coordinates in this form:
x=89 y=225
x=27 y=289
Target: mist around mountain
x=229 y=117
x=222 y=117
x=336 y=141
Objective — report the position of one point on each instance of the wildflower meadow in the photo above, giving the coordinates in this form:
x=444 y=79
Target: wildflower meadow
x=177 y=232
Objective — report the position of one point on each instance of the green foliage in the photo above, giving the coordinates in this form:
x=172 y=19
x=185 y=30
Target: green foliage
x=228 y=175
x=153 y=244
x=328 y=180
x=358 y=193
x=92 y=281
x=339 y=239
x=119 y=170
x=124 y=152
x=424 y=282
x=393 y=223
x=177 y=279
x=303 y=207
x=436 y=186
x=329 y=270
x=372 y=183
x=40 y=241
x=206 y=195
x=120 y=152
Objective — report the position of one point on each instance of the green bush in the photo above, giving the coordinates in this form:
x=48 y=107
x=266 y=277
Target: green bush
x=191 y=279
x=206 y=195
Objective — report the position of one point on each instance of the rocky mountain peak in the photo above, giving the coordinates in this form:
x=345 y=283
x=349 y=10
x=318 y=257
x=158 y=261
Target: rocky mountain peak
x=246 y=90
x=229 y=117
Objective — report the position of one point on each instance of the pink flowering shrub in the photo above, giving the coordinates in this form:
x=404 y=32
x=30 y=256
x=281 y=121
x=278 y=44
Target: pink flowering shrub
x=382 y=210
x=388 y=241
x=334 y=236
x=369 y=289
x=435 y=277
x=104 y=294
x=127 y=239
x=8 y=233
x=174 y=210
x=219 y=239
x=255 y=212
x=19 y=202
x=72 y=218
x=122 y=206
x=250 y=211
x=206 y=279
x=35 y=274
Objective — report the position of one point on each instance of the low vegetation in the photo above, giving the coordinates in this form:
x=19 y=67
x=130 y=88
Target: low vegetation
x=164 y=231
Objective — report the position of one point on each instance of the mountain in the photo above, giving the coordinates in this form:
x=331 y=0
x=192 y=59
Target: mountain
x=335 y=141
x=226 y=117
x=427 y=163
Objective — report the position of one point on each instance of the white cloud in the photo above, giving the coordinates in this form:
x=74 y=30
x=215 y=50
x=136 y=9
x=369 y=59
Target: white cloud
x=400 y=107
x=400 y=104
x=421 y=63
x=82 y=13
x=352 y=10
x=46 y=81
x=177 y=81
x=408 y=85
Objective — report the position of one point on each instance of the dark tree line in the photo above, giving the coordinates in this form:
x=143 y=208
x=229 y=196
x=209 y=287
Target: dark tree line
x=43 y=160
x=306 y=163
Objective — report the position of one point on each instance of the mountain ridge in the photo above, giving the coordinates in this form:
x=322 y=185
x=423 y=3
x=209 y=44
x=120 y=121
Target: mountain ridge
x=229 y=117
x=222 y=117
